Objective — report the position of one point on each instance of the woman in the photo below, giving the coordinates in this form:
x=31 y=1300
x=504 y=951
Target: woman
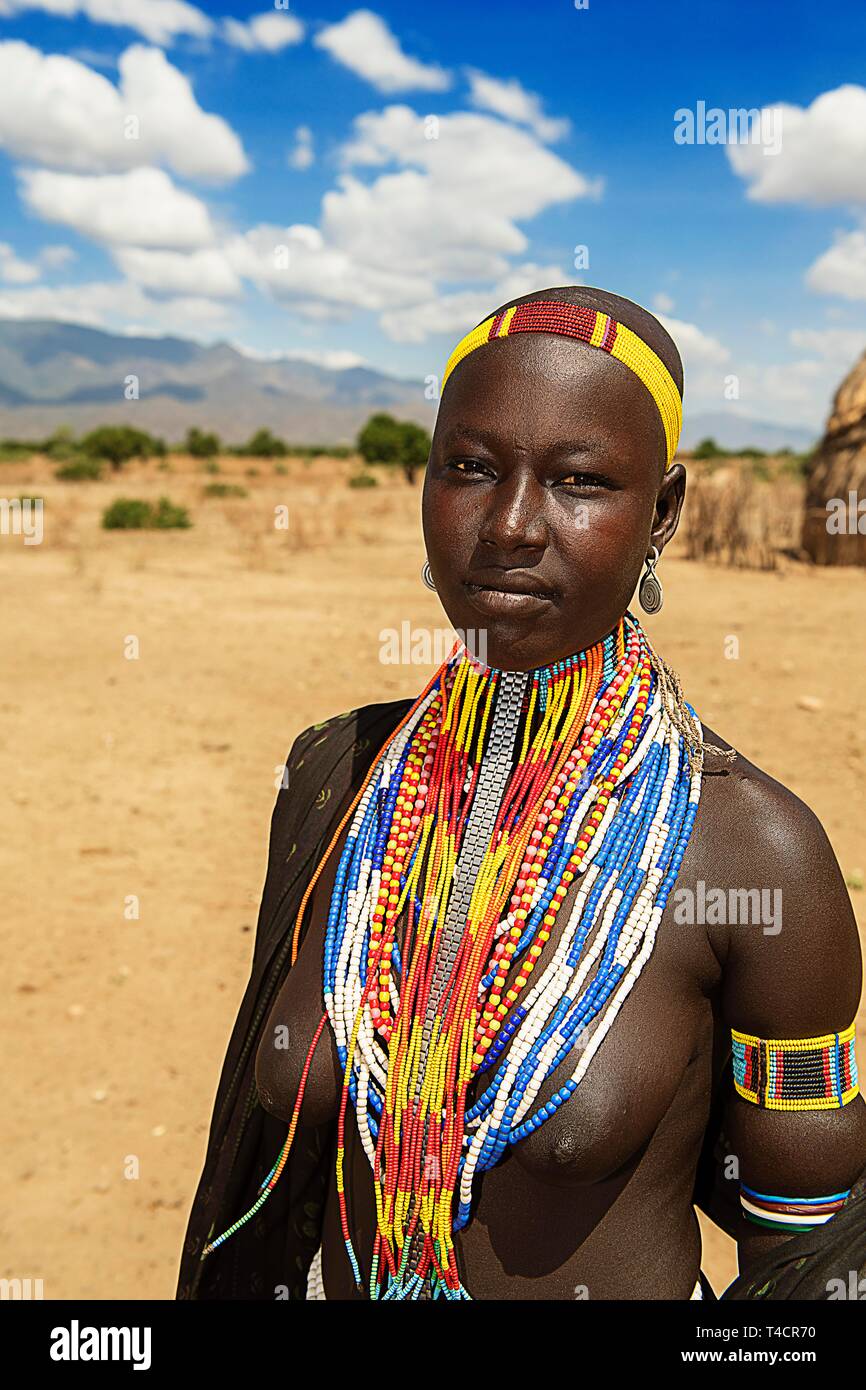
x=482 y=998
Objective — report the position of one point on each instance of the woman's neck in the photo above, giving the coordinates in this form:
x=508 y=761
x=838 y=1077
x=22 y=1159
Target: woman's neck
x=612 y=644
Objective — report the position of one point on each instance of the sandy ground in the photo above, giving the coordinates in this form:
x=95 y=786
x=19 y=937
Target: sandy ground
x=155 y=777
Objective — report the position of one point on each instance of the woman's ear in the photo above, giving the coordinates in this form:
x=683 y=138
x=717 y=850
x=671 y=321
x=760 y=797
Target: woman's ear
x=669 y=505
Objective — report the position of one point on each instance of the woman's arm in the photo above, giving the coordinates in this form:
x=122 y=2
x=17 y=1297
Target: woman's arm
x=798 y=978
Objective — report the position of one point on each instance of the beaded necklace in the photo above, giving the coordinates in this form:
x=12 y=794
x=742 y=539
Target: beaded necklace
x=496 y=793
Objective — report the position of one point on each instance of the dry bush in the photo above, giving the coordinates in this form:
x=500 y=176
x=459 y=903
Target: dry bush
x=735 y=519
x=62 y=523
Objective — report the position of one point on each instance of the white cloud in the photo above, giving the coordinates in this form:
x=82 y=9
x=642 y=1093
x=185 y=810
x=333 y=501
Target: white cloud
x=390 y=245
x=801 y=392
x=158 y=20
x=15 y=271
x=458 y=312
x=425 y=233
x=836 y=345
x=796 y=392
x=515 y=103
x=204 y=272
x=55 y=257
x=697 y=348
x=471 y=153
x=663 y=303
x=93 y=57
x=338 y=359
x=59 y=112
x=453 y=208
x=302 y=156
x=364 y=43
x=140 y=208
x=822 y=159
x=706 y=364
x=407 y=220
x=842 y=268
x=268 y=33
x=161 y=21
x=297 y=266
x=114 y=304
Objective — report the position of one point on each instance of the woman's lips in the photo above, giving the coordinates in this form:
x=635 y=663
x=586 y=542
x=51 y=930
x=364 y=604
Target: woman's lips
x=506 y=603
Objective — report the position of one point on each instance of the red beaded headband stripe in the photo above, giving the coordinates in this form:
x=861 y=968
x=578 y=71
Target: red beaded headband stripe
x=596 y=329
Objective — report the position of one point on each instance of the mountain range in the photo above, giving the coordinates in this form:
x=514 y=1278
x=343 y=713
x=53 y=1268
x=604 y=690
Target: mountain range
x=55 y=373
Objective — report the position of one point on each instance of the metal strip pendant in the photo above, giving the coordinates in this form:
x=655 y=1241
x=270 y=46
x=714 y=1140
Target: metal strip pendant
x=496 y=768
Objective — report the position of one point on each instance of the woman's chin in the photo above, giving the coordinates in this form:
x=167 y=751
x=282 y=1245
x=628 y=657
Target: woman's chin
x=509 y=647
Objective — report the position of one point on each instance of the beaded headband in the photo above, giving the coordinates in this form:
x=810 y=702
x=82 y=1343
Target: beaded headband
x=596 y=329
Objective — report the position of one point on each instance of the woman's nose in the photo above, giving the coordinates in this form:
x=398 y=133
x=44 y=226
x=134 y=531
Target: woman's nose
x=515 y=515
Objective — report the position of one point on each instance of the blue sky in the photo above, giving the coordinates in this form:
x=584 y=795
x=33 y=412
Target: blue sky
x=355 y=184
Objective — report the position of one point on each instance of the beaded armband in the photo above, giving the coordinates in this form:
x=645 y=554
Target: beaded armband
x=796 y=1073
x=793 y=1215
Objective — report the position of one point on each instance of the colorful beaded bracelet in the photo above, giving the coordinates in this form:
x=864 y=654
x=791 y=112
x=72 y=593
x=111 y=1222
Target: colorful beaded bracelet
x=796 y=1073
x=596 y=329
x=792 y=1215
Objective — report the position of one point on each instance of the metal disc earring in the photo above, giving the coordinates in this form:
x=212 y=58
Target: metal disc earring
x=427 y=576
x=650 y=591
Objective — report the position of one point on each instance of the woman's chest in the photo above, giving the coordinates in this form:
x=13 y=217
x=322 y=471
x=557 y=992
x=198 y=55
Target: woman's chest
x=639 y=1053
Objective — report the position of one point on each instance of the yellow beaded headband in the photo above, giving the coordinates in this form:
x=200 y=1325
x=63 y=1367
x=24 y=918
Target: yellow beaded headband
x=596 y=329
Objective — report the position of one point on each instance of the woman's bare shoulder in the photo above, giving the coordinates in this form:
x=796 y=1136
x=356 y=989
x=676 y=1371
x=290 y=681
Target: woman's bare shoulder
x=760 y=838
x=761 y=804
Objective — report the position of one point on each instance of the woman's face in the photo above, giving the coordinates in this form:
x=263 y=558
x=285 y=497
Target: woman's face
x=543 y=496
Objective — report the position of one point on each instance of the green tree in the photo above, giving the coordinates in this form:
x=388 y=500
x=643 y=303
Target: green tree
x=386 y=440
x=61 y=444
x=265 y=445
x=708 y=449
x=415 y=448
x=380 y=441
x=119 y=443
x=201 y=445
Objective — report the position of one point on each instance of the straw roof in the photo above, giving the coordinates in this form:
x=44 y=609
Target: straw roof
x=837 y=470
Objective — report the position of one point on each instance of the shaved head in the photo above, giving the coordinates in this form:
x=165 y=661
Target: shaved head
x=638 y=319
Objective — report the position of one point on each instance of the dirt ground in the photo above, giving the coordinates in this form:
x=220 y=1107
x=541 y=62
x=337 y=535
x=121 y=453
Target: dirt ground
x=152 y=776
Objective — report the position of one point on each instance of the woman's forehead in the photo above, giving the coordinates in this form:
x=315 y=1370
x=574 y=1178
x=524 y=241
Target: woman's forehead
x=549 y=384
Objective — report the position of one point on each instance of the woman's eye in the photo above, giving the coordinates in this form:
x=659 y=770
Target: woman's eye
x=464 y=465
x=582 y=480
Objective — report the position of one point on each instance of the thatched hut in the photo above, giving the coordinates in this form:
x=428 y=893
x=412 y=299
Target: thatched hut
x=834 y=525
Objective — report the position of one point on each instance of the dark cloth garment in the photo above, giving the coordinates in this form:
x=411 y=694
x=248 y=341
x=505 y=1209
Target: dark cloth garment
x=827 y=1262
x=270 y=1256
